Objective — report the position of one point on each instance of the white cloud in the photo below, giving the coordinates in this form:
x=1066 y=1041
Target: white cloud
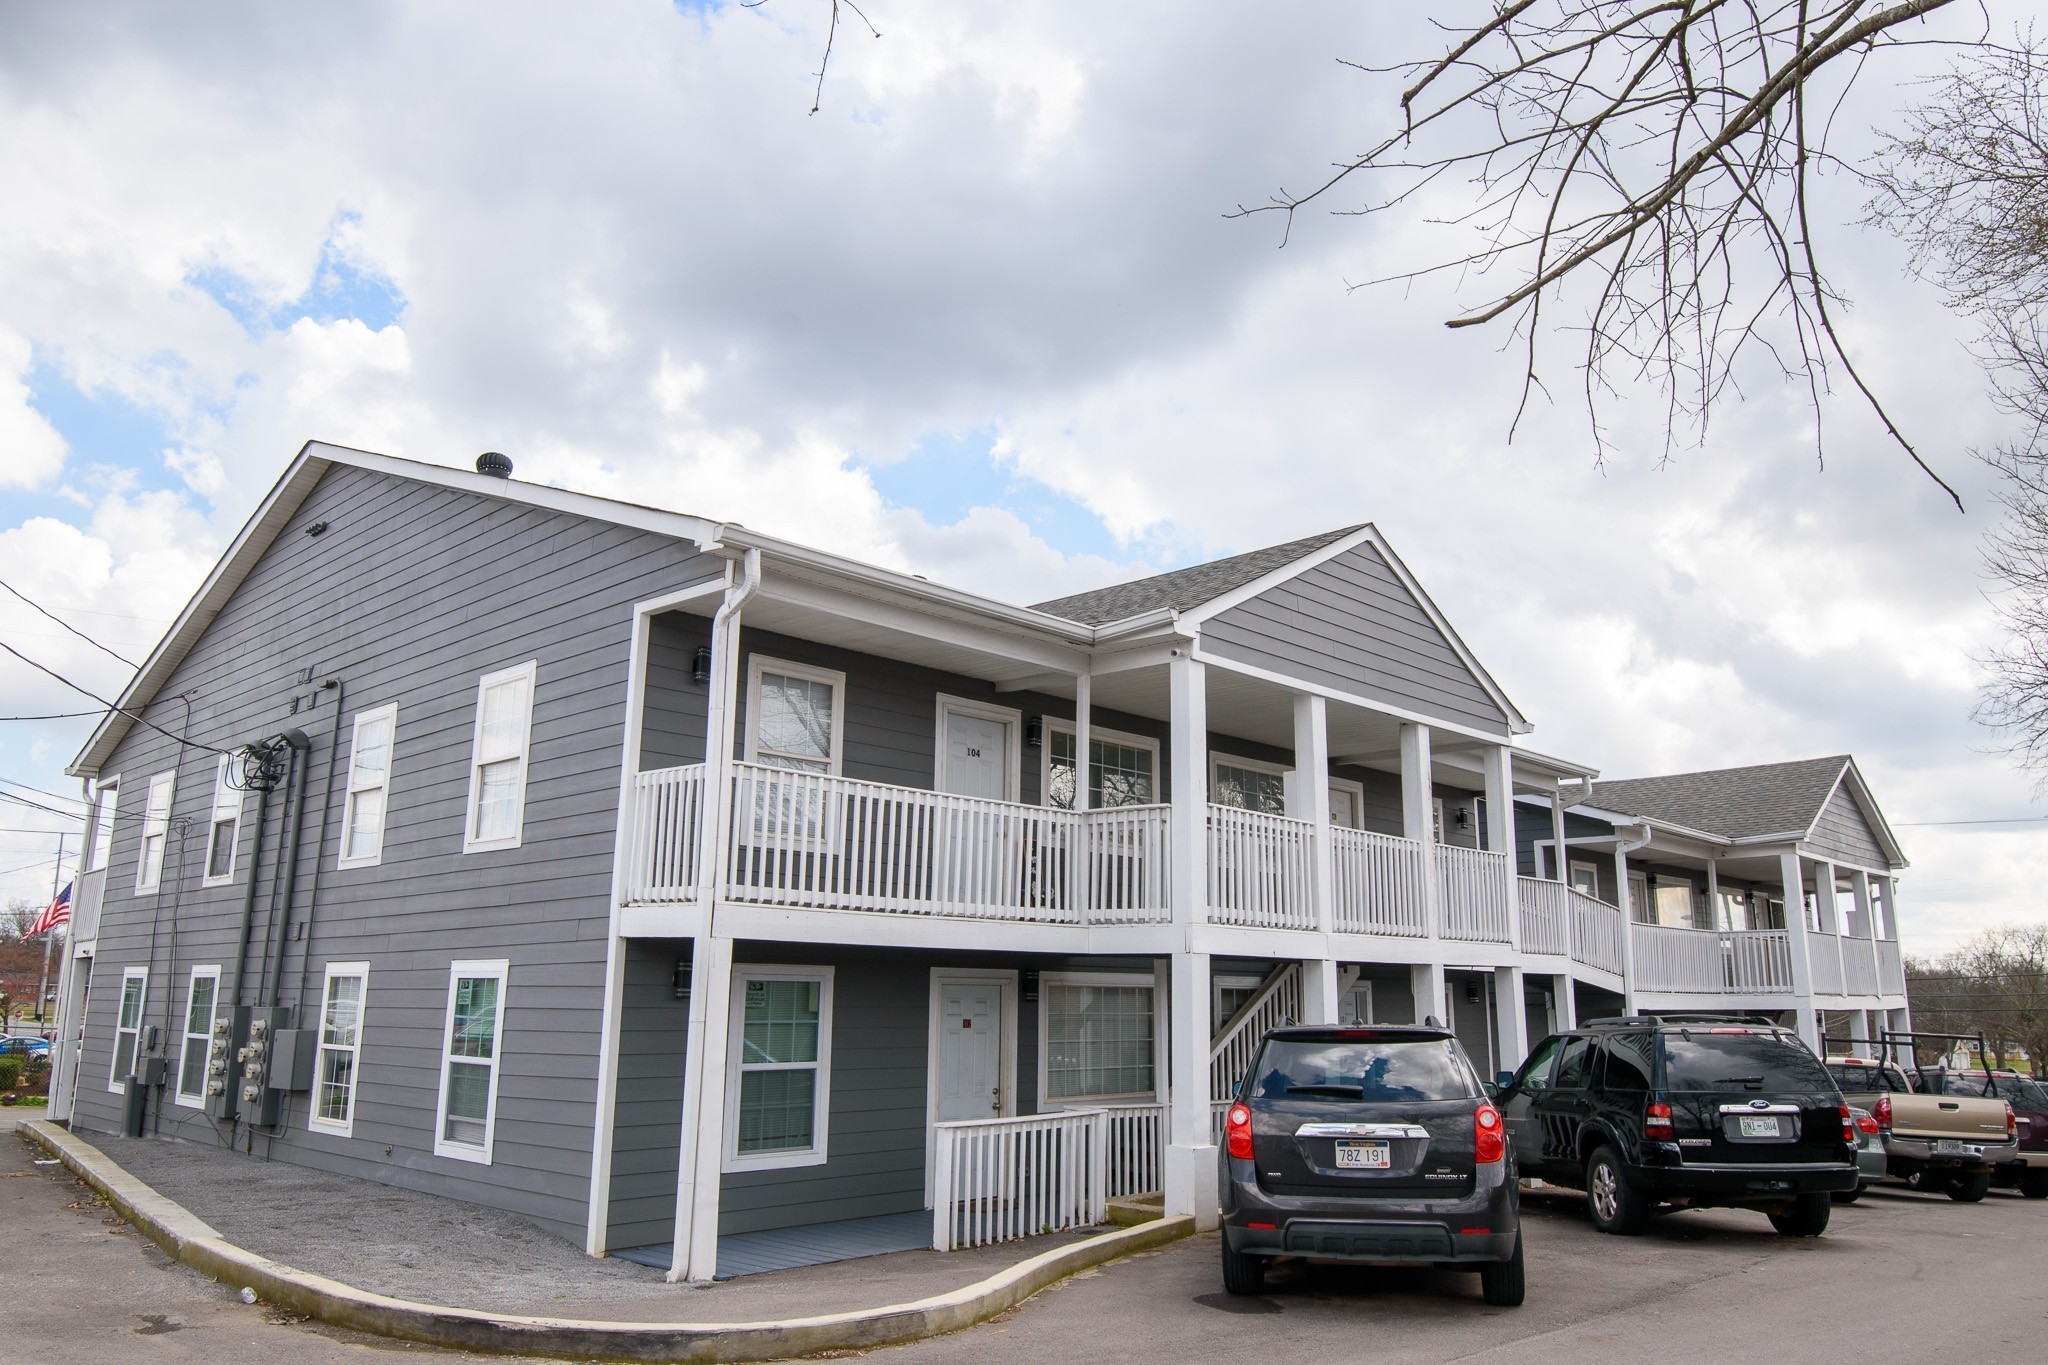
x=31 y=451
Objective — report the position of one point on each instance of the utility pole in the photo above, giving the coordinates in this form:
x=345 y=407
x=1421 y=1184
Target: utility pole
x=50 y=934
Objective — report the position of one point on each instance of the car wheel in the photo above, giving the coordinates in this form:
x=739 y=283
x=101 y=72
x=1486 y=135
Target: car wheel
x=1847 y=1196
x=1808 y=1216
x=1968 y=1189
x=1242 y=1273
x=1501 y=1284
x=2034 y=1185
x=1615 y=1207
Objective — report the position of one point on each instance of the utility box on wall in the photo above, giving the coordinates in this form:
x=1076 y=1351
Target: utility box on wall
x=291 y=1058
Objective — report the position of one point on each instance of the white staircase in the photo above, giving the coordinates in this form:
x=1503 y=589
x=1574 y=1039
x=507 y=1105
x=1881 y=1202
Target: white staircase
x=1278 y=1002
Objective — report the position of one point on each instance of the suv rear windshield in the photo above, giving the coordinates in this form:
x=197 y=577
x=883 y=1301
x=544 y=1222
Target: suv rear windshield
x=1717 y=1061
x=1375 y=1070
x=2024 y=1094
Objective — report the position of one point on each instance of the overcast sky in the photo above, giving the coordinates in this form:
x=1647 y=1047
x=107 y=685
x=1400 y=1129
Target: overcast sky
x=982 y=317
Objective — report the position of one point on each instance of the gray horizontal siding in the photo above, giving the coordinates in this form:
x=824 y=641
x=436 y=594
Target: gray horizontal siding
x=647 y=1128
x=1350 y=624
x=409 y=596
x=1844 y=835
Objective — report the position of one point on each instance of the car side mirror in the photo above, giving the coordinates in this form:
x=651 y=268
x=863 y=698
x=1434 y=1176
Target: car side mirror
x=1503 y=1079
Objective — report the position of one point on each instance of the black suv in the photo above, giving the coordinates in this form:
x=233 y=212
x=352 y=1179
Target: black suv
x=1646 y=1111
x=1368 y=1144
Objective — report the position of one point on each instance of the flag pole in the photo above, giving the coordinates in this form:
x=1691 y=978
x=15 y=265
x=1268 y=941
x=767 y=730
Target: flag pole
x=50 y=934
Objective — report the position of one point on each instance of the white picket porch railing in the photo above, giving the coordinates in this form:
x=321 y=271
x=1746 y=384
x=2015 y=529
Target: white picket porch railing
x=1891 y=967
x=1824 y=959
x=1473 y=893
x=1596 y=932
x=1859 y=968
x=662 y=831
x=1380 y=887
x=1260 y=869
x=1136 y=1156
x=996 y=1180
x=1707 y=962
x=1277 y=1002
x=1546 y=911
x=1124 y=861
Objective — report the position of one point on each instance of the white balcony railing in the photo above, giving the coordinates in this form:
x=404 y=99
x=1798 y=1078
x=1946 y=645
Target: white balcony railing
x=1891 y=968
x=1706 y=962
x=1380 y=887
x=1824 y=956
x=1596 y=932
x=1123 y=864
x=86 y=896
x=1135 y=1162
x=662 y=834
x=1260 y=869
x=1859 y=967
x=1546 y=911
x=996 y=1180
x=1473 y=893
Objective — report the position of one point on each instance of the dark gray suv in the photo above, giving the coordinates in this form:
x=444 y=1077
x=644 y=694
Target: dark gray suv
x=1370 y=1144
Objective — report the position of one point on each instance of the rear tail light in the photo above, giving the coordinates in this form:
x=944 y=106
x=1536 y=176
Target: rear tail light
x=1883 y=1111
x=1237 y=1132
x=1867 y=1124
x=1848 y=1125
x=1488 y=1137
x=1657 y=1121
x=2012 y=1120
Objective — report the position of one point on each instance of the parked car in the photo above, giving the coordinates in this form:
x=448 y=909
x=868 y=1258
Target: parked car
x=30 y=1048
x=1939 y=1143
x=1368 y=1145
x=1649 y=1112
x=1869 y=1155
x=2027 y=1171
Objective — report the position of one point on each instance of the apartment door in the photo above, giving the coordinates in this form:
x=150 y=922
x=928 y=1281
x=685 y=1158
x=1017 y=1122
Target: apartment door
x=970 y=1059
x=980 y=849
x=1344 y=807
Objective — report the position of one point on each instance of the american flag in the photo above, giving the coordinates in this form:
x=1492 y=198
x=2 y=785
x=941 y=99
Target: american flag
x=58 y=912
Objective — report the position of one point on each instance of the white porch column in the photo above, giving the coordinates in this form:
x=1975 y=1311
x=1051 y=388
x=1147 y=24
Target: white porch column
x=1497 y=766
x=1084 y=703
x=1511 y=1019
x=1826 y=910
x=1190 y=1176
x=1564 y=1005
x=1625 y=899
x=1560 y=863
x=1311 y=791
x=1417 y=803
x=1319 y=1003
x=1866 y=913
x=1794 y=884
x=1426 y=983
x=703 y=1136
x=1714 y=892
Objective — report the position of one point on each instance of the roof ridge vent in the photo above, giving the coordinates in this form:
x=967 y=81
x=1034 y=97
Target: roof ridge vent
x=494 y=465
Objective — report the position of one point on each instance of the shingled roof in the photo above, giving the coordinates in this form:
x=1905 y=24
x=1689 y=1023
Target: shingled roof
x=1735 y=803
x=1184 y=589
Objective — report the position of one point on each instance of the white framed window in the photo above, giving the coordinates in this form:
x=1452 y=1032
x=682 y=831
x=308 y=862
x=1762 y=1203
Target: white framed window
x=224 y=829
x=1230 y=992
x=1586 y=878
x=1248 y=783
x=1101 y=1033
x=128 y=1025
x=1639 y=907
x=202 y=1002
x=106 y=799
x=370 y=742
x=497 y=764
x=466 y=1118
x=778 y=1070
x=1123 y=770
x=1347 y=803
x=1356 y=1007
x=156 y=832
x=795 y=715
x=341 y=1047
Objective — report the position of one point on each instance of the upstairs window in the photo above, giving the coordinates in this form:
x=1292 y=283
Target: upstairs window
x=497 y=772
x=224 y=830
x=156 y=832
x=103 y=825
x=369 y=786
x=1122 y=769
x=797 y=716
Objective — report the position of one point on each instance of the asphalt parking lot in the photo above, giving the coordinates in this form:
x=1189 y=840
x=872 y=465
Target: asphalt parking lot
x=1900 y=1276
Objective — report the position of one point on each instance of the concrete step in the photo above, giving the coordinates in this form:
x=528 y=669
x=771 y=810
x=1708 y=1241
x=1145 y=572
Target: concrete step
x=1134 y=1209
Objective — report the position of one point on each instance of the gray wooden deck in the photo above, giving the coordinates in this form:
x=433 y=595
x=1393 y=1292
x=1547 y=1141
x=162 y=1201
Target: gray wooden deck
x=751 y=1253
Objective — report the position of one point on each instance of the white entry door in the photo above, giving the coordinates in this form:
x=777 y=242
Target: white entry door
x=1344 y=810
x=978 y=848
x=977 y=756
x=970 y=1062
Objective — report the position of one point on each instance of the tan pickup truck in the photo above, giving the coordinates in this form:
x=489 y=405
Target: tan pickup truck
x=1932 y=1141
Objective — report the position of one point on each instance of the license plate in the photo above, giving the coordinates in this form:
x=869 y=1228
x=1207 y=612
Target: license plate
x=1764 y=1125
x=1367 y=1156
x=1950 y=1147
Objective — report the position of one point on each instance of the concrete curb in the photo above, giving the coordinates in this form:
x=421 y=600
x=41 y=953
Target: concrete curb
x=188 y=1240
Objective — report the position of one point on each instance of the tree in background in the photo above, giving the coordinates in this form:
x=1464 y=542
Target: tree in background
x=1995 y=984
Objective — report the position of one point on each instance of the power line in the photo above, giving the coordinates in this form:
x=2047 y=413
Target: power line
x=66 y=624
x=86 y=691
x=40 y=791
x=56 y=715
x=37 y=805
x=2007 y=820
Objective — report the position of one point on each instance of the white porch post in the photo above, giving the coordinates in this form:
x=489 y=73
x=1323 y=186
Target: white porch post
x=1626 y=899
x=1498 y=774
x=1311 y=791
x=703 y=1139
x=1319 y=1003
x=1426 y=983
x=1190 y=1176
x=1417 y=796
x=1794 y=884
x=1564 y=1005
x=1560 y=864
x=1511 y=1019
x=1084 y=703
x=1714 y=893
x=1866 y=911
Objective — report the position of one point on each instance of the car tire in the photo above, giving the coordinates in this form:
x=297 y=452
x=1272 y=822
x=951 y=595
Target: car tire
x=1847 y=1196
x=1808 y=1216
x=1615 y=1207
x=1502 y=1284
x=2034 y=1185
x=1242 y=1273
x=1970 y=1189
